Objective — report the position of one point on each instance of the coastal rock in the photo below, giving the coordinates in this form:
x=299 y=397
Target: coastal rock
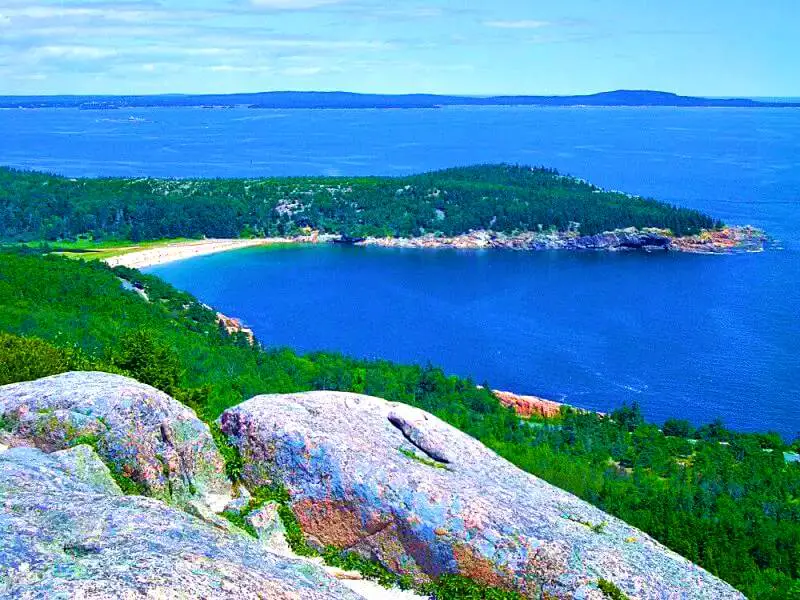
x=395 y=483
x=649 y=239
x=529 y=406
x=67 y=536
x=145 y=434
x=747 y=239
x=234 y=326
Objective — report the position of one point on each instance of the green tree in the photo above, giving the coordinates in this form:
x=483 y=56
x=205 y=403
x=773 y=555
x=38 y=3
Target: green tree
x=678 y=428
x=149 y=360
x=628 y=416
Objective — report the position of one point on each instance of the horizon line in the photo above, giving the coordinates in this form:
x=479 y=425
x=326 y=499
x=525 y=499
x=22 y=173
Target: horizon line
x=401 y=94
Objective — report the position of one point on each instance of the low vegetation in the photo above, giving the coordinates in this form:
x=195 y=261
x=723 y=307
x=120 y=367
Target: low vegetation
x=506 y=198
x=611 y=591
x=725 y=500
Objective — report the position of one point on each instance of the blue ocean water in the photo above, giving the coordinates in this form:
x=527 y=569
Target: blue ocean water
x=691 y=336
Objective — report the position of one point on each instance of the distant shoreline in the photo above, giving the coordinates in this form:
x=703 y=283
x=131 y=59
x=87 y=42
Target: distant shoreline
x=347 y=100
x=727 y=240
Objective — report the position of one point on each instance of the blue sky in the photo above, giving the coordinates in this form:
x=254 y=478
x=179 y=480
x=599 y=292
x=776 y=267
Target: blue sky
x=701 y=47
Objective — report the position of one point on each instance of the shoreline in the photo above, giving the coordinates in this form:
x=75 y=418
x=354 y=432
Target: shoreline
x=725 y=241
x=172 y=252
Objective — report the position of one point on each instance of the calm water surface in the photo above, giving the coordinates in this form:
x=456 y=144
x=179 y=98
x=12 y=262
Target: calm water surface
x=692 y=336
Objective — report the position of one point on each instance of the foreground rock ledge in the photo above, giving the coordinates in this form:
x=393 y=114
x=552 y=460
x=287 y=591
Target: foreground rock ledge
x=397 y=484
x=66 y=532
x=150 y=437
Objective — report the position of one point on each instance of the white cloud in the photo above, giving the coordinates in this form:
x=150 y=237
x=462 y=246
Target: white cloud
x=74 y=52
x=30 y=77
x=302 y=71
x=292 y=4
x=61 y=12
x=521 y=24
x=237 y=69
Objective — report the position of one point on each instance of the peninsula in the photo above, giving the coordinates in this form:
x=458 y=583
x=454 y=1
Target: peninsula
x=483 y=206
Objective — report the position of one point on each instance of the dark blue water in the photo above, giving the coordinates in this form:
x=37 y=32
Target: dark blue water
x=692 y=336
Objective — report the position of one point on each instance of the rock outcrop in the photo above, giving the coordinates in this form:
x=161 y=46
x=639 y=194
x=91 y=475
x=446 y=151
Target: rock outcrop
x=747 y=239
x=729 y=239
x=397 y=484
x=232 y=326
x=65 y=532
x=148 y=436
x=529 y=406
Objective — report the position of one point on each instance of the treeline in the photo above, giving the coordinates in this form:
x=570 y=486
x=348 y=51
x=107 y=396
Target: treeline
x=726 y=500
x=507 y=198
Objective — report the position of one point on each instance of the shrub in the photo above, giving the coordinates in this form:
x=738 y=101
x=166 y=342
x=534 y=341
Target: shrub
x=678 y=428
x=26 y=359
x=149 y=360
x=611 y=590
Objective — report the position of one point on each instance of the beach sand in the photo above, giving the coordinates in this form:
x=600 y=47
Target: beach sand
x=191 y=249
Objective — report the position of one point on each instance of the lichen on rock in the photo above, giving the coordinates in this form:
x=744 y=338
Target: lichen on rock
x=140 y=431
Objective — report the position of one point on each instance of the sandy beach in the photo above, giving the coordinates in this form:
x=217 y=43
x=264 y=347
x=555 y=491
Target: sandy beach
x=183 y=250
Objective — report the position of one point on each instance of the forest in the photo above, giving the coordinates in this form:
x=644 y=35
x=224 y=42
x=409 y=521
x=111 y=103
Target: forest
x=503 y=198
x=729 y=501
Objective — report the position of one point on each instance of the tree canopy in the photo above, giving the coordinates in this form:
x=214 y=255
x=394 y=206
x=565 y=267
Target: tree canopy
x=504 y=198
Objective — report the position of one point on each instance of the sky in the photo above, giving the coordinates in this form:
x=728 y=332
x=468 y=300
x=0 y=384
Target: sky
x=482 y=47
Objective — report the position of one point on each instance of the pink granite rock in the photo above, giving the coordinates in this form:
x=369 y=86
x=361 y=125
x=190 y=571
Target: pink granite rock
x=397 y=484
x=144 y=433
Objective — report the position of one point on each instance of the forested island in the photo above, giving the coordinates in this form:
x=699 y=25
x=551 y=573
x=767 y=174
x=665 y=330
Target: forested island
x=485 y=206
x=726 y=500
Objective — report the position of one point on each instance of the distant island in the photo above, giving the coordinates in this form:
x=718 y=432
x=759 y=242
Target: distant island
x=348 y=100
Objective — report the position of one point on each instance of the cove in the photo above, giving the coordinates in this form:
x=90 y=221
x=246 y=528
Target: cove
x=689 y=336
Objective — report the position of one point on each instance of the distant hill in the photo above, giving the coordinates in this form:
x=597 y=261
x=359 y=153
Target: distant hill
x=348 y=100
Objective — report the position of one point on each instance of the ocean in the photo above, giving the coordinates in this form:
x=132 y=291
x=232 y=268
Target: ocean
x=697 y=337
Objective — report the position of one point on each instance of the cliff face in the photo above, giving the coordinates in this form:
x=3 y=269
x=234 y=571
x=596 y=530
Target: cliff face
x=395 y=483
x=381 y=479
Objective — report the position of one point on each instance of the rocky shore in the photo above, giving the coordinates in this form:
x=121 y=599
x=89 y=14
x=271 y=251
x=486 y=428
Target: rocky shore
x=723 y=241
x=727 y=240
x=529 y=406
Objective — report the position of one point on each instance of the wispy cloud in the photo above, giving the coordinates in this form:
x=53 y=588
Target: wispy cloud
x=519 y=24
x=291 y=4
x=302 y=71
x=79 y=52
x=230 y=45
